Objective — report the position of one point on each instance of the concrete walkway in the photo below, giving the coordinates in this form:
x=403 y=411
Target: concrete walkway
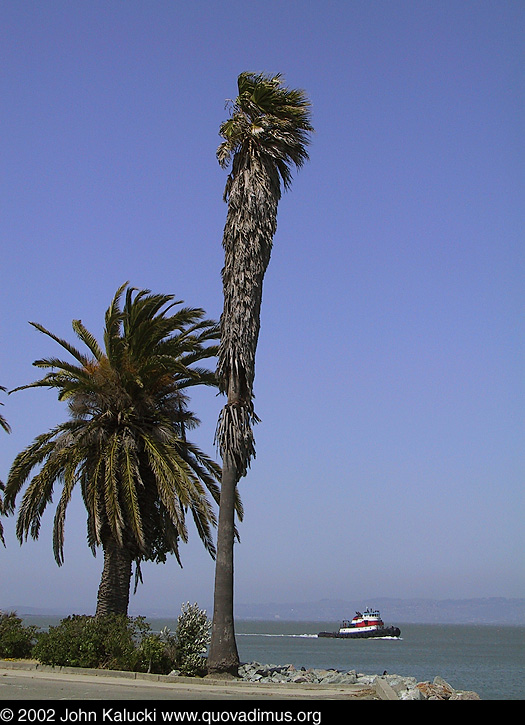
x=31 y=681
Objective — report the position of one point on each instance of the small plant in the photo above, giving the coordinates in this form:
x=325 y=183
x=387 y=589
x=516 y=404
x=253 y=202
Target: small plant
x=158 y=652
x=100 y=642
x=16 y=640
x=192 y=638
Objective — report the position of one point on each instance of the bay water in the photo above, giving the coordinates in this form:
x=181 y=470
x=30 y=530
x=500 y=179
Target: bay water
x=488 y=659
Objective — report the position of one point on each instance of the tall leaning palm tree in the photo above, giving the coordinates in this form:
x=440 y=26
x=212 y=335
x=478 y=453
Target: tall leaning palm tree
x=264 y=138
x=125 y=442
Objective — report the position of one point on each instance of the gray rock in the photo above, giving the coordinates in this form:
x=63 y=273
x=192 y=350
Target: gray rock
x=411 y=693
x=465 y=695
x=402 y=688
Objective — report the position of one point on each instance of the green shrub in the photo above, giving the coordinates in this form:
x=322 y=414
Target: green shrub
x=98 y=642
x=16 y=640
x=118 y=642
x=184 y=650
x=157 y=655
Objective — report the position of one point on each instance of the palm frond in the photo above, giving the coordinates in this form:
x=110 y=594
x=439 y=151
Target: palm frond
x=24 y=463
x=112 y=329
x=171 y=482
x=82 y=359
x=3 y=422
x=130 y=481
x=69 y=481
x=113 y=508
x=88 y=339
x=268 y=119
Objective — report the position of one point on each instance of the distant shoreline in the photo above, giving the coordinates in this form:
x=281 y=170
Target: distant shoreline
x=490 y=611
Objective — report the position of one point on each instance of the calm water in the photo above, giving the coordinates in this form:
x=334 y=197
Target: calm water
x=487 y=659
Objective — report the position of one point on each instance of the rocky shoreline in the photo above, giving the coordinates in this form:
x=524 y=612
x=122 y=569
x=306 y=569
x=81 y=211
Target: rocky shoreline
x=276 y=679
x=392 y=687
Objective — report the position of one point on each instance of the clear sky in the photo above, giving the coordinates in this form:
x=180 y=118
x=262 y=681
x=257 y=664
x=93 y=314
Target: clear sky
x=389 y=382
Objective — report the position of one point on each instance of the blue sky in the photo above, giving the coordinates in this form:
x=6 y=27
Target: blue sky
x=389 y=376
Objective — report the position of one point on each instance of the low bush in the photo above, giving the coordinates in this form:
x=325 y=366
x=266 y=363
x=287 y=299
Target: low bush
x=16 y=640
x=98 y=642
x=115 y=642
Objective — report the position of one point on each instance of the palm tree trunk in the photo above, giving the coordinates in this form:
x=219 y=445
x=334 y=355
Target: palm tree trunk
x=223 y=656
x=113 y=592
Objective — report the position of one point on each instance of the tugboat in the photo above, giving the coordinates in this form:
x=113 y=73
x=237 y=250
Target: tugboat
x=363 y=625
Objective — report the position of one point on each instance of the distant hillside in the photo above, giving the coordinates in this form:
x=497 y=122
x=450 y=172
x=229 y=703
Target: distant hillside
x=495 y=610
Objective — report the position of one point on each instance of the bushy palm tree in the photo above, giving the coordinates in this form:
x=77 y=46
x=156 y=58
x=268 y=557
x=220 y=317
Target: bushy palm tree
x=125 y=440
x=264 y=138
x=5 y=425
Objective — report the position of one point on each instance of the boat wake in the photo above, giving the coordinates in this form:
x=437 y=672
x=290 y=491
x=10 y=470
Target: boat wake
x=263 y=634
x=396 y=638
x=308 y=636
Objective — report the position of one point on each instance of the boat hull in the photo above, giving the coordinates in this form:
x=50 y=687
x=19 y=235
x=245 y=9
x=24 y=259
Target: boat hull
x=380 y=632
